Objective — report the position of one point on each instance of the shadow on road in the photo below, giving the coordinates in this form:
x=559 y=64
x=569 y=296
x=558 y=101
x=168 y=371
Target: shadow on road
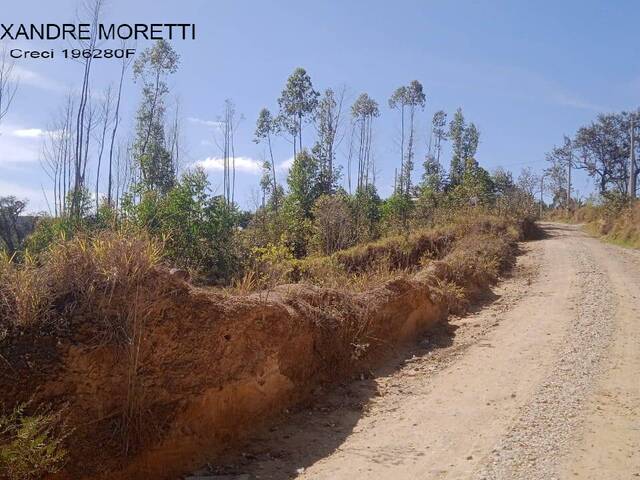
x=552 y=230
x=313 y=431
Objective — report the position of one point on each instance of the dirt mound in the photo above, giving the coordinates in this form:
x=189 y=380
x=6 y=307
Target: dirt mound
x=154 y=375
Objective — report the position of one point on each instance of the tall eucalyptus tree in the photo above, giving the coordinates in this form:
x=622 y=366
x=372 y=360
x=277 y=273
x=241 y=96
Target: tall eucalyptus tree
x=297 y=102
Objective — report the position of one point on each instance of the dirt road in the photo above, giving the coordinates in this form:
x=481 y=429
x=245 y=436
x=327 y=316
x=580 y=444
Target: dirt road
x=541 y=383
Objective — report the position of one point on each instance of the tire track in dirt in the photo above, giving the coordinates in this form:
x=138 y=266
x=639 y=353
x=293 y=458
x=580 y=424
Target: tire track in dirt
x=609 y=446
x=542 y=434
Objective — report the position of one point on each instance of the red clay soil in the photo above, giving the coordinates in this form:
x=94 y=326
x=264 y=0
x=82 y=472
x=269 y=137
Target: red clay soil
x=201 y=370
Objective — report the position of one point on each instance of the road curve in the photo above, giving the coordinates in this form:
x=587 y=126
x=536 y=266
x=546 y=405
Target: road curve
x=542 y=383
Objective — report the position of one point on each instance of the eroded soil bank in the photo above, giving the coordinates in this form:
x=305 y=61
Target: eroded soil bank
x=540 y=383
x=195 y=371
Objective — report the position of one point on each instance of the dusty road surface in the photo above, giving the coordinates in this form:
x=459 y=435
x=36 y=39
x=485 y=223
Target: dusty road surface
x=543 y=382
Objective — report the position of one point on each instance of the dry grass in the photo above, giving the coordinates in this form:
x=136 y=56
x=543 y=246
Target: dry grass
x=109 y=291
x=329 y=273
x=25 y=293
x=111 y=282
x=465 y=242
x=450 y=294
x=396 y=252
x=370 y=265
x=75 y=277
x=624 y=228
x=99 y=290
x=614 y=222
x=476 y=261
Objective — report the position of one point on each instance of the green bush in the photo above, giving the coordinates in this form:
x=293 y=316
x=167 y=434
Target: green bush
x=30 y=445
x=49 y=230
x=396 y=212
x=366 y=208
x=198 y=231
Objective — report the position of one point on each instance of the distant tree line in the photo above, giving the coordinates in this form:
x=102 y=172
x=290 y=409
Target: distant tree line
x=602 y=149
x=315 y=210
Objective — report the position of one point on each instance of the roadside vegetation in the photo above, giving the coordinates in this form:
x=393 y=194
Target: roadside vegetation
x=97 y=286
x=616 y=221
x=606 y=149
x=150 y=312
x=326 y=203
x=90 y=327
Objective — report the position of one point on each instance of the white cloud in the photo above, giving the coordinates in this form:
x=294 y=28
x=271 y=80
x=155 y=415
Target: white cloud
x=28 y=132
x=21 y=145
x=243 y=164
x=29 y=77
x=206 y=123
x=285 y=165
x=18 y=149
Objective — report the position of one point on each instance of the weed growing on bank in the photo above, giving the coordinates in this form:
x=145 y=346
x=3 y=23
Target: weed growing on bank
x=31 y=445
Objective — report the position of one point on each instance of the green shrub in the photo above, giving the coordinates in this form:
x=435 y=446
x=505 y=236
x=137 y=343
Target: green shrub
x=396 y=212
x=273 y=264
x=30 y=445
x=49 y=230
x=198 y=231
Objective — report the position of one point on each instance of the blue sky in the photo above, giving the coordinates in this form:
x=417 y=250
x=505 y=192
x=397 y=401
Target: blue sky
x=524 y=72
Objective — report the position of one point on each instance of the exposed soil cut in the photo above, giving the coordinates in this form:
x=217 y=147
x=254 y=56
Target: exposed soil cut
x=189 y=373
